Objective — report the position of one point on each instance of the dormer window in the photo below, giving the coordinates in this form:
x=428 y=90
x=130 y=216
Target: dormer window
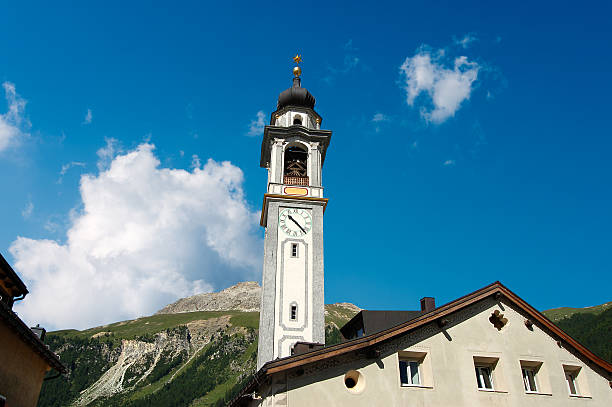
x=297 y=119
x=296 y=166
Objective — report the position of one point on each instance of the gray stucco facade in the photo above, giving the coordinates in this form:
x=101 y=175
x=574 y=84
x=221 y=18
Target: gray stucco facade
x=273 y=273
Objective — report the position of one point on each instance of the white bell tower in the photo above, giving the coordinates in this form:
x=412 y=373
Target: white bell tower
x=293 y=150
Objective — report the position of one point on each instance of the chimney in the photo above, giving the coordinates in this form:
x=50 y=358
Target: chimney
x=39 y=331
x=427 y=304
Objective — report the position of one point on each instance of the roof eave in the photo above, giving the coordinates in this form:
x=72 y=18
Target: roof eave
x=6 y=267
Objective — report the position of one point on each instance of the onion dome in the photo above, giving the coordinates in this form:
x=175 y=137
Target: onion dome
x=296 y=95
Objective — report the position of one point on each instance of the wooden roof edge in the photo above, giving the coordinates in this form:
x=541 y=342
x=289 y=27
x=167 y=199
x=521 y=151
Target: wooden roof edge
x=541 y=318
x=8 y=270
x=461 y=302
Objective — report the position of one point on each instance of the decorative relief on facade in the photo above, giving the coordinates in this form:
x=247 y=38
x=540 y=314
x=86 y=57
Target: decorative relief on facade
x=498 y=320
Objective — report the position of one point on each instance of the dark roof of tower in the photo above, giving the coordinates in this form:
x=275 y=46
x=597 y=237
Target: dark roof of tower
x=296 y=96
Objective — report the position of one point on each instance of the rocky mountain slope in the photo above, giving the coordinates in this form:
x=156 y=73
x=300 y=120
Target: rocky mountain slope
x=191 y=353
x=241 y=297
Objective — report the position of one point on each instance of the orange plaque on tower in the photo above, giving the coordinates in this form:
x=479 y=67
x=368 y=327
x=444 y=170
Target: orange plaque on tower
x=296 y=191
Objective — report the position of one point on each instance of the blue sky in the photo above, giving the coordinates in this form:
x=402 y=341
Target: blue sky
x=497 y=169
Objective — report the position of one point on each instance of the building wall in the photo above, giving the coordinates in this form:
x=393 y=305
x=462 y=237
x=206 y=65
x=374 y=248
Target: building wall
x=21 y=370
x=448 y=368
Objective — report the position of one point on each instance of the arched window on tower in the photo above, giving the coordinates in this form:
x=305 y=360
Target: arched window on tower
x=297 y=119
x=296 y=166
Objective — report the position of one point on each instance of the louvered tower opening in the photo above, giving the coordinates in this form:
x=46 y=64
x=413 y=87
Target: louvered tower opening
x=296 y=166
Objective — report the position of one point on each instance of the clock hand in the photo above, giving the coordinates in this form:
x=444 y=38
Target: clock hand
x=298 y=225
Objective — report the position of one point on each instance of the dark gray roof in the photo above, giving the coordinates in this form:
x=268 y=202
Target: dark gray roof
x=376 y=321
x=296 y=96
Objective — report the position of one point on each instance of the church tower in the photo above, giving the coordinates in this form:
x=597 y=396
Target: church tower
x=293 y=150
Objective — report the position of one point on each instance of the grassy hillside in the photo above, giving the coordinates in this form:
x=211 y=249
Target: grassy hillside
x=179 y=372
x=557 y=314
x=157 y=323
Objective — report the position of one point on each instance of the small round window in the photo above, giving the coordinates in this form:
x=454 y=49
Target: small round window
x=354 y=381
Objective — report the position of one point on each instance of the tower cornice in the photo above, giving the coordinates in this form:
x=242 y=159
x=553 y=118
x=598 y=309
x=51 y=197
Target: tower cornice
x=288 y=199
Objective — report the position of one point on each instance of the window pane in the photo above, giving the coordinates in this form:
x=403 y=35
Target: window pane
x=414 y=373
x=531 y=380
x=403 y=372
x=479 y=379
x=570 y=383
x=486 y=376
x=525 y=380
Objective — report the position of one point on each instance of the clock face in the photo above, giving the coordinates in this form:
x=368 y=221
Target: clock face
x=295 y=222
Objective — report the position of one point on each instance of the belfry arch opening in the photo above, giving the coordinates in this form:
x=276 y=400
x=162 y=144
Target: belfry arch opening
x=296 y=166
x=297 y=119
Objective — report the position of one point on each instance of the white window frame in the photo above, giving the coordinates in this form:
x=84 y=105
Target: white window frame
x=530 y=380
x=412 y=366
x=482 y=372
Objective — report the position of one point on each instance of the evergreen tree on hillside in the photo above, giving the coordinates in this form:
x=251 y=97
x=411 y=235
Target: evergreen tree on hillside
x=592 y=330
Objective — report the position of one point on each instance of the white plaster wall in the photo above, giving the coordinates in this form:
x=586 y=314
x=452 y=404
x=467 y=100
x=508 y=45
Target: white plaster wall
x=286 y=119
x=296 y=285
x=451 y=380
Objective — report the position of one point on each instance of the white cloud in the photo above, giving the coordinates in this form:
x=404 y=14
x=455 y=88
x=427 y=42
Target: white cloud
x=51 y=226
x=88 y=117
x=445 y=88
x=379 y=117
x=27 y=210
x=107 y=153
x=66 y=167
x=195 y=161
x=145 y=236
x=12 y=123
x=449 y=163
x=465 y=41
x=257 y=126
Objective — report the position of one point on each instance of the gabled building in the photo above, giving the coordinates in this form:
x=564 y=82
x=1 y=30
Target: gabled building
x=488 y=348
x=24 y=358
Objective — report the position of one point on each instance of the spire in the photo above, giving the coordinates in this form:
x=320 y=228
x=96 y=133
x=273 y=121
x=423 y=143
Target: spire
x=296 y=95
x=297 y=71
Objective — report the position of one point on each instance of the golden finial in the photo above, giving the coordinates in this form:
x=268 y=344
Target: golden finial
x=297 y=71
